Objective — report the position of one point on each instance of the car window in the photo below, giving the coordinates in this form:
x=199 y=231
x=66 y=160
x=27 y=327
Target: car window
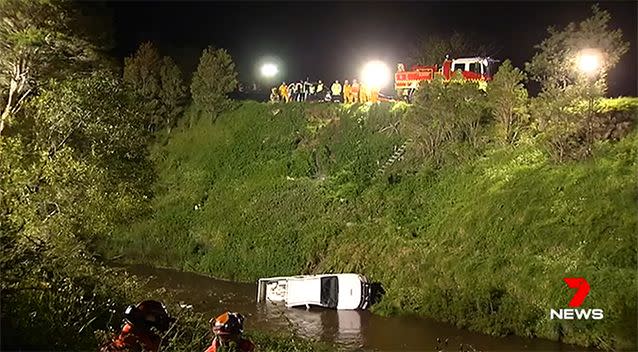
x=329 y=291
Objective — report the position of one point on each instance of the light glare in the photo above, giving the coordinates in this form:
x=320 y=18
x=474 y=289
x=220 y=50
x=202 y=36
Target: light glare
x=375 y=74
x=589 y=61
x=269 y=70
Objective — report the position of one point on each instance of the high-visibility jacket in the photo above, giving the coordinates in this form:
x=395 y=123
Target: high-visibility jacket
x=243 y=346
x=355 y=88
x=335 y=88
x=283 y=90
x=319 y=87
x=347 y=89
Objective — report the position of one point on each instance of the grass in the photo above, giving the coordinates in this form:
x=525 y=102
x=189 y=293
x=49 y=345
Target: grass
x=484 y=243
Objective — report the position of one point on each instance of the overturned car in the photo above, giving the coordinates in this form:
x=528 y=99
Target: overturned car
x=334 y=291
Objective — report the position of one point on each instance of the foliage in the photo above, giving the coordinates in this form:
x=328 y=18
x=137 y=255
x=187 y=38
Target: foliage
x=564 y=111
x=555 y=63
x=39 y=39
x=73 y=167
x=444 y=113
x=159 y=83
x=214 y=79
x=482 y=244
x=507 y=98
x=433 y=48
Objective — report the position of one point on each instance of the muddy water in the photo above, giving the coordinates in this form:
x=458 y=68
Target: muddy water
x=353 y=330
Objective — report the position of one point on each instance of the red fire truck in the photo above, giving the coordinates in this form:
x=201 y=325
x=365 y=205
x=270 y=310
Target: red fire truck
x=473 y=68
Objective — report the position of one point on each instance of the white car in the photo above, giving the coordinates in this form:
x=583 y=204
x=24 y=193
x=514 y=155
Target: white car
x=336 y=291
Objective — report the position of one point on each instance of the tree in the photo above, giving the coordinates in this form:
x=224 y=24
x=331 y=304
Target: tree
x=38 y=40
x=555 y=63
x=173 y=93
x=214 y=79
x=507 y=98
x=433 y=48
x=444 y=113
x=158 y=81
x=560 y=111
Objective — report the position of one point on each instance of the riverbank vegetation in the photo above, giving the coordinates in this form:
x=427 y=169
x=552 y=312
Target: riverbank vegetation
x=468 y=207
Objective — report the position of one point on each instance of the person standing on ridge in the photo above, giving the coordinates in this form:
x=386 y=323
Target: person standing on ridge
x=319 y=88
x=335 y=89
x=283 y=91
x=355 y=91
x=347 y=92
x=228 y=328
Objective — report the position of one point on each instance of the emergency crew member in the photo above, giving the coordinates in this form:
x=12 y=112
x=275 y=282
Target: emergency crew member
x=299 y=90
x=335 y=89
x=306 y=88
x=319 y=88
x=355 y=91
x=292 y=89
x=274 y=96
x=283 y=91
x=363 y=93
x=137 y=333
x=374 y=94
x=227 y=329
x=347 y=92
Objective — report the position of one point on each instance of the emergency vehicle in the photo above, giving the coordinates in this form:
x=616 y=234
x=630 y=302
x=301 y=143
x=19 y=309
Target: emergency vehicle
x=480 y=69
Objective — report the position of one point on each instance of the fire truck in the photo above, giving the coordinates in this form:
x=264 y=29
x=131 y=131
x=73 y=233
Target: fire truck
x=480 y=69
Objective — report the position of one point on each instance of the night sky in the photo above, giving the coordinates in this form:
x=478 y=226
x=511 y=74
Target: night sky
x=325 y=40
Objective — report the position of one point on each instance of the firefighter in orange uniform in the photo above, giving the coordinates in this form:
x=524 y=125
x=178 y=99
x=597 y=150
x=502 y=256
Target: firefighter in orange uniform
x=283 y=91
x=354 y=96
x=374 y=94
x=363 y=93
x=138 y=332
x=347 y=92
x=227 y=329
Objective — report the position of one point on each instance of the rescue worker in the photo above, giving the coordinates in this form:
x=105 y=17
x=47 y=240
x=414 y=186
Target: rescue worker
x=227 y=329
x=347 y=92
x=292 y=90
x=320 y=88
x=300 y=88
x=355 y=91
x=311 y=91
x=363 y=93
x=374 y=94
x=335 y=89
x=274 y=96
x=283 y=91
x=306 y=89
x=143 y=325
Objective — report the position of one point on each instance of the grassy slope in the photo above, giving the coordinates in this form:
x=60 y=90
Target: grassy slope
x=484 y=244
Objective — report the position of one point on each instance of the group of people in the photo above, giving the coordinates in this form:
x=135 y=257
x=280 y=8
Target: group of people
x=347 y=93
x=145 y=323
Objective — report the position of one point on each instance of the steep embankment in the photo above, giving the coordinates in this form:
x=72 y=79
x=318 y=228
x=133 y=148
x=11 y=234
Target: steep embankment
x=268 y=191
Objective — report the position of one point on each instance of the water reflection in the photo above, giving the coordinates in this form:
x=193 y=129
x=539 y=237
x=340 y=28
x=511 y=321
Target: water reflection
x=351 y=329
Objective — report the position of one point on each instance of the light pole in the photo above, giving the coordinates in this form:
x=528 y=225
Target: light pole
x=589 y=63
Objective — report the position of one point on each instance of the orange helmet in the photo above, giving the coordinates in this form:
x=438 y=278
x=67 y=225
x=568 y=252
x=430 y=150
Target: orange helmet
x=148 y=314
x=229 y=323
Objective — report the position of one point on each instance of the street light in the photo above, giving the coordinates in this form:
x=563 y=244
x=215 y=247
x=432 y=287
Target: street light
x=589 y=61
x=269 y=70
x=375 y=74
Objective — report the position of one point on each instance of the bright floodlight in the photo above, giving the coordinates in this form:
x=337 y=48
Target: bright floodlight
x=269 y=70
x=375 y=74
x=589 y=61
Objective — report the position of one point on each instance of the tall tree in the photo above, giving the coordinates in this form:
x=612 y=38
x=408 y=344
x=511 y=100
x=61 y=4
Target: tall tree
x=555 y=63
x=159 y=83
x=214 y=79
x=38 y=40
x=507 y=98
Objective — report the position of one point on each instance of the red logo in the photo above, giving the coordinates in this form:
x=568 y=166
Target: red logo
x=582 y=290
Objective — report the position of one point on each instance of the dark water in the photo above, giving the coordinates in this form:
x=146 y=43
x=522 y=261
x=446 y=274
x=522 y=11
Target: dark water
x=356 y=330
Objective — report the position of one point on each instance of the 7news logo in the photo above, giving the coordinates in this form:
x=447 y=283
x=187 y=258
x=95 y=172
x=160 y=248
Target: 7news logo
x=582 y=290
